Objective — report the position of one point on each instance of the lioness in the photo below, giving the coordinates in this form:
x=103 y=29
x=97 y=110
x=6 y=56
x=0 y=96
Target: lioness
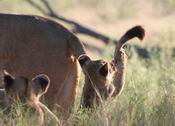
x=29 y=44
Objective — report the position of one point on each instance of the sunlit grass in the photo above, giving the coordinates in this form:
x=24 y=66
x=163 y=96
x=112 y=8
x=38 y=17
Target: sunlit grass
x=148 y=98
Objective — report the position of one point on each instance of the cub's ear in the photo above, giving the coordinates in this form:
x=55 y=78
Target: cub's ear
x=8 y=80
x=40 y=84
x=104 y=70
x=83 y=59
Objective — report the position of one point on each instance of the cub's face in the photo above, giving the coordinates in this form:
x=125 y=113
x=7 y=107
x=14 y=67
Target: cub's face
x=20 y=88
x=99 y=72
x=27 y=91
x=16 y=88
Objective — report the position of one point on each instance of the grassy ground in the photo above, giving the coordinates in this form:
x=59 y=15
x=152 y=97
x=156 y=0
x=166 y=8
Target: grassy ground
x=148 y=98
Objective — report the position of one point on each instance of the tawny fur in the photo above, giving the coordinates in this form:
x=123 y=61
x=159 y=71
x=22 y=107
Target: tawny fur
x=32 y=44
x=93 y=94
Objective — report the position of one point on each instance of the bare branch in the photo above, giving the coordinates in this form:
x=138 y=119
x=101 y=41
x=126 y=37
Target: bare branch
x=77 y=27
x=51 y=12
x=37 y=6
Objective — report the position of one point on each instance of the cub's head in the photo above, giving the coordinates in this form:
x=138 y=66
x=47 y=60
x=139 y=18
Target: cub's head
x=24 y=89
x=99 y=72
x=27 y=91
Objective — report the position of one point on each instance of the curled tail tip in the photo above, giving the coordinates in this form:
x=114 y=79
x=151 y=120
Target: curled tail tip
x=137 y=31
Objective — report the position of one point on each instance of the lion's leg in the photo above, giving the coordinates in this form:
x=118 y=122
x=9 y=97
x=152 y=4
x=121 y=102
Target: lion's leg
x=68 y=92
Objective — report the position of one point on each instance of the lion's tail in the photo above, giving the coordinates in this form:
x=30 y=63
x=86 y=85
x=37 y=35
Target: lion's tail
x=137 y=31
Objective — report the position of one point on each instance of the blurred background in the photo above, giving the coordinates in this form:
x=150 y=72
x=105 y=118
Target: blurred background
x=149 y=94
x=108 y=17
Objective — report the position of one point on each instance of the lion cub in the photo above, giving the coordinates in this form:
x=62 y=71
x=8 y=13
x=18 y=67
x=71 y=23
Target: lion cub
x=103 y=79
x=27 y=91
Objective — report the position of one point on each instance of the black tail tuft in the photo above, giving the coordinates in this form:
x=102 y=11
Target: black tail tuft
x=137 y=31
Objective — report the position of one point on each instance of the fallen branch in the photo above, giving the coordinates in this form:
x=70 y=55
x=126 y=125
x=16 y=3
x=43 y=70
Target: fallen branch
x=76 y=27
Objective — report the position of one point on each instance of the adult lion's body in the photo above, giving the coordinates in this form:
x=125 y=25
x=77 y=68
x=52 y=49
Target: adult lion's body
x=32 y=44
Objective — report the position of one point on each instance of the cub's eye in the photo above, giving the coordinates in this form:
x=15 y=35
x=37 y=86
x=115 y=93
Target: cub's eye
x=104 y=70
